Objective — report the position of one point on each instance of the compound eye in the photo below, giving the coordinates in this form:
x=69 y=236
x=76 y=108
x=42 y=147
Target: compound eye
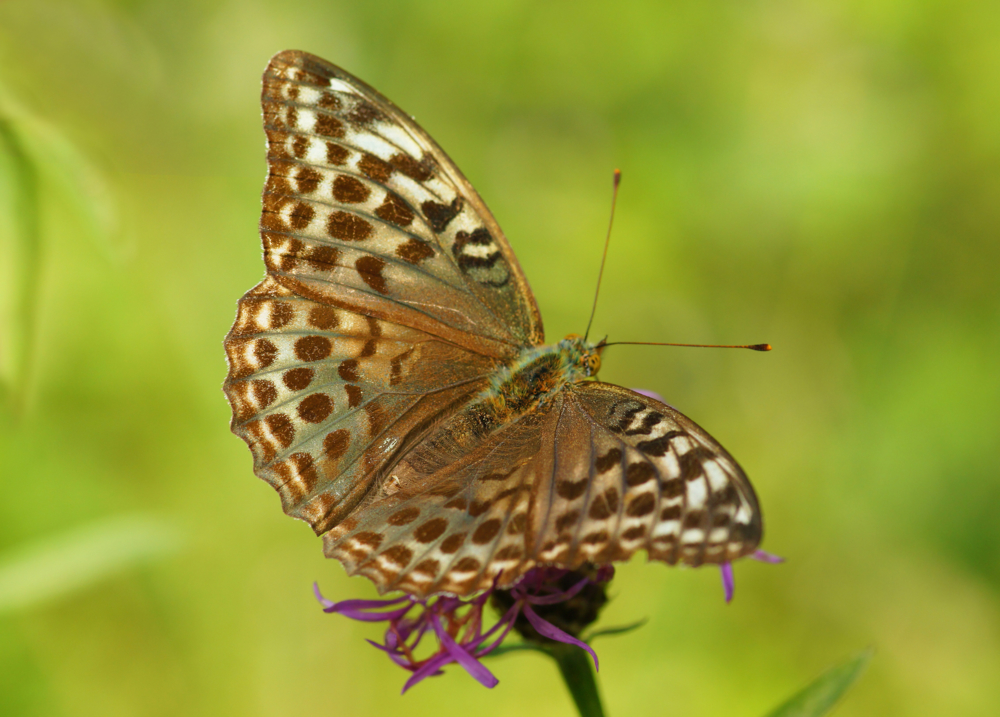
x=593 y=363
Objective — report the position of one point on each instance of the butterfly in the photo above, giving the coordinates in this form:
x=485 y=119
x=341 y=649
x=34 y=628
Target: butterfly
x=391 y=379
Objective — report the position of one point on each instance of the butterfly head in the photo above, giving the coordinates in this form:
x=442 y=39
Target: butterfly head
x=582 y=355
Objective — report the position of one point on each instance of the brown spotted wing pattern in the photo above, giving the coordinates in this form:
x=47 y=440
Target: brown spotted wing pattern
x=361 y=371
x=595 y=475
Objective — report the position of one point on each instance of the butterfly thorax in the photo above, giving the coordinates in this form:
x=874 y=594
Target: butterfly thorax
x=516 y=390
x=539 y=372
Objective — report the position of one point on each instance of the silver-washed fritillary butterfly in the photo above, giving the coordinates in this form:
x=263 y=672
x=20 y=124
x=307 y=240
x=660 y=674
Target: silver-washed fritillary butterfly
x=391 y=379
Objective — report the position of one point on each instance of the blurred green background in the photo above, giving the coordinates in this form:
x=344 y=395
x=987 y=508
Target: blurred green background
x=824 y=176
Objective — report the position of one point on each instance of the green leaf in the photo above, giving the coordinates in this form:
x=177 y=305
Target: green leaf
x=34 y=157
x=53 y=567
x=516 y=647
x=617 y=630
x=65 y=168
x=823 y=693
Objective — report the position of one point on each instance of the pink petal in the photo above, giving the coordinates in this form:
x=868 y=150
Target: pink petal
x=766 y=557
x=728 y=584
x=547 y=629
x=473 y=666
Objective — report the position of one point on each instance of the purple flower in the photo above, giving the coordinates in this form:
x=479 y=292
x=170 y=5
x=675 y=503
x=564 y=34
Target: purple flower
x=547 y=604
x=729 y=585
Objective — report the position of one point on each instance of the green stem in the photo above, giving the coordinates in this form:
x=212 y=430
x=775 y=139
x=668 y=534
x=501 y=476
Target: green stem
x=577 y=671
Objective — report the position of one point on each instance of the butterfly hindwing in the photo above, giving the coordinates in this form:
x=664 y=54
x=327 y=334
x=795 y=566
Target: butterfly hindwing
x=653 y=480
x=595 y=475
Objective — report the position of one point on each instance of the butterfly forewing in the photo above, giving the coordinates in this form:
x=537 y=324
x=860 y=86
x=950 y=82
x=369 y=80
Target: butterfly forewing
x=362 y=209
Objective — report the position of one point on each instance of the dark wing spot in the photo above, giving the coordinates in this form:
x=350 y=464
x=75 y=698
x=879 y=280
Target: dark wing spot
x=398 y=555
x=335 y=154
x=626 y=420
x=348 y=227
x=350 y=190
x=300 y=145
x=599 y=509
x=724 y=496
x=323 y=257
x=440 y=215
x=639 y=473
x=643 y=505
x=369 y=349
x=427 y=567
x=370 y=270
x=374 y=328
x=323 y=317
x=265 y=352
x=431 y=530
x=264 y=393
x=315 y=408
x=335 y=444
x=659 y=446
x=329 y=126
x=635 y=532
x=307 y=77
x=693 y=519
x=692 y=462
x=404 y=516
x=452 y=543
x=303 y=463
x=308 y=179
x=672 y=488
x=354 y=395
x=301 y=215
x=393 y=209
x=297 y=379
x=608 y=461
x=467 y=565
x=672 y=512
x=289 y=256
x=720 y=520
x=569 y=490
x=414 y=251
x=478 y=237
x=396 y=367
x=329 y=101
x=567 y=520
x=364 y=113
x=369 y=539
x=648 y=423
x=419 y=171
x=595 y=538
x=478 y=507
x=511 y=552
x=313 y=348
x=281 y=428
x=374 y=168
x=377 y=419
x=486 y=532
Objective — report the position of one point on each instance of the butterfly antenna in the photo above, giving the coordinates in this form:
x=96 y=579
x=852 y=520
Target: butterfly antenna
x=752 y=347
x=604 y=257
